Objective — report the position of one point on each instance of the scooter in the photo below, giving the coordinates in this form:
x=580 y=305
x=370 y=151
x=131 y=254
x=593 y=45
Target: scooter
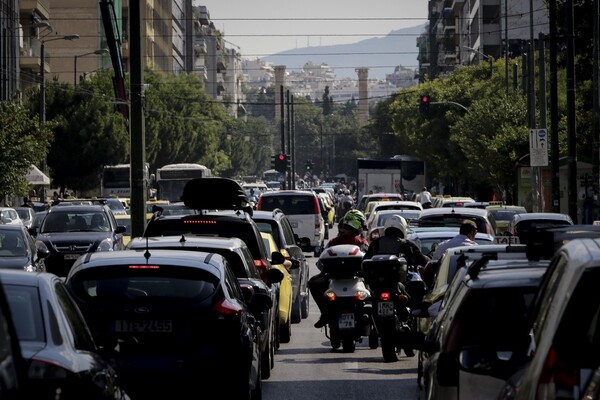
x=348 y=301
x=391 y=284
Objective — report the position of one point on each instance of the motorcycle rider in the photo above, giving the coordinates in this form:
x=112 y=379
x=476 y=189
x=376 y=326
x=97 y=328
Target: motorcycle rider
x=350 y=229
x=345 y=202
x=394 y=242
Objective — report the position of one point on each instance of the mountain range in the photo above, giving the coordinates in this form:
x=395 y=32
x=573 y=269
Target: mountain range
x=380 y=55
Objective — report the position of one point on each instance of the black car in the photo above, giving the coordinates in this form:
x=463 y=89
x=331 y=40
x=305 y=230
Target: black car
x=19 y=250
x=238 y=255
x=61 y=356
x=276 y=223
x=177 y=321
x=72 y=230
x=232 y=220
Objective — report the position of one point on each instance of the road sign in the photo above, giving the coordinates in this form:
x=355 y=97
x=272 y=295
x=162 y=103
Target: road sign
x=538 y=147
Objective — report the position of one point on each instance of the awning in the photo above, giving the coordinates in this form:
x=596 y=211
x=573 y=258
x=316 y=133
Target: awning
x=37 y=177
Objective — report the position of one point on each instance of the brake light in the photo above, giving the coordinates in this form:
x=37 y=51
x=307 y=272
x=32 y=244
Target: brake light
x=556 y=376
x=385 y=296
x=262 y=267
x=143 y=266
x=329 y=295
x=402 y=297
x=259 y=204
x=200 y=221
x=227 y=308
x=317 y=208
x=361 y=295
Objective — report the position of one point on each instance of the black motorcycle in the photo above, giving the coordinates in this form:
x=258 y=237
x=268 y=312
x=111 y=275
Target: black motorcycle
x=391 y=284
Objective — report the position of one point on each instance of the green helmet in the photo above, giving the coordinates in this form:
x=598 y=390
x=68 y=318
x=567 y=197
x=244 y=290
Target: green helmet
x=355 y=220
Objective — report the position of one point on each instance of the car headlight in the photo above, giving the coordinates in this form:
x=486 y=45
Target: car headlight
x=106 y=245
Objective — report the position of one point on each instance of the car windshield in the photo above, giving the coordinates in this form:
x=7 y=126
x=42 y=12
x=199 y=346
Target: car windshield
x=504 y=215
x=12 y=244
x=74 y=221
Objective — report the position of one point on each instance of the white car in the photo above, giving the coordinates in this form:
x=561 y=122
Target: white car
x=9 y=215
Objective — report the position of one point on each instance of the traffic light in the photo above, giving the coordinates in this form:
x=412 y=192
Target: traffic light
x=274 y=162
x=424 y=105
x=281 y=162
x=309 y=165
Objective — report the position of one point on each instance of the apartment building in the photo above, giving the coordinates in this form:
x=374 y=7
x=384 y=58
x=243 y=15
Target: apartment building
x=464 y=32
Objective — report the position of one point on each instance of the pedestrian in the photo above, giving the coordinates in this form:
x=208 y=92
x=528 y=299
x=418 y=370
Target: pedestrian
x=350 y=231
x=27 y=202
x=425 y=198
x=465 y=237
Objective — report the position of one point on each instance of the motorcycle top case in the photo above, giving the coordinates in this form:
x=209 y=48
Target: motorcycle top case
x=385 y=268
x=342 y=261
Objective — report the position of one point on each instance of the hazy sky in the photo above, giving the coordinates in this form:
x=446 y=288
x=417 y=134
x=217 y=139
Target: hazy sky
x=263 y=27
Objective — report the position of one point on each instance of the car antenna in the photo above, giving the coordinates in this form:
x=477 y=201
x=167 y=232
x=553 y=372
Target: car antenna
x=182 y=240
x=147 y=252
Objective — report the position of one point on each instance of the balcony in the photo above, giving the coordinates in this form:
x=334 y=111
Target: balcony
x=29 y=7
x=201 y=71
x=200 y=46
x=221 y=63
x=30 y=56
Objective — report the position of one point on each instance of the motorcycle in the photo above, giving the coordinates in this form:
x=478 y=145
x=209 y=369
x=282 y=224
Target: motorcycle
x=348 y=301
x=394 y=290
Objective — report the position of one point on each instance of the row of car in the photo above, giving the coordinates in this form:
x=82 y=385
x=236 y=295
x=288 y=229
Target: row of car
x=204 y=293
x=514 y=321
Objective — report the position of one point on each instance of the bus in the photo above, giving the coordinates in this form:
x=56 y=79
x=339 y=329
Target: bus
x=116 y=182
x=171 y=179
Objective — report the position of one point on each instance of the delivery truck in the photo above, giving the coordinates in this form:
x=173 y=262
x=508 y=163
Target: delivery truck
x=399 y=174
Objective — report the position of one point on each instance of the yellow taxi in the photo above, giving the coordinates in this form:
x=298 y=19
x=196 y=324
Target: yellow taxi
x=502 y=214
x=285 y=289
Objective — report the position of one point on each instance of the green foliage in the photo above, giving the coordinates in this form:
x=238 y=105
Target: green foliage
x=24 y=142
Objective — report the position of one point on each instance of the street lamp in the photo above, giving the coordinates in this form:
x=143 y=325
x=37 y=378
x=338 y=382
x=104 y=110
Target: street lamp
x=43 y=72
x=487 y=57
x=96 y=52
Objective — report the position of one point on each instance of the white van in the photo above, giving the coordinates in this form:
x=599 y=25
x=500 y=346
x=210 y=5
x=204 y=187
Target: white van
x=303 y=210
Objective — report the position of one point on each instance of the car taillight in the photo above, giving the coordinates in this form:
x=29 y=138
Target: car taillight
x=259 y=204
x=329 y=295
x=227 y=308
x=556 y=377
x=262 y=267
x=361 y=295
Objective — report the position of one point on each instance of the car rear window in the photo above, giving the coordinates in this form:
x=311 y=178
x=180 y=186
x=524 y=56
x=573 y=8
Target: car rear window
x=453 y=221
x=143 y=282
x=210 y=226
x=290 y=205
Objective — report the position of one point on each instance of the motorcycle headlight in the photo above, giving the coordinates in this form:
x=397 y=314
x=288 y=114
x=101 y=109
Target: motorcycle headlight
x=106 y=245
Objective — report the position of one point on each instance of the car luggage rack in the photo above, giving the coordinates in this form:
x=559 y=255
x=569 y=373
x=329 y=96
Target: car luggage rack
x=543 y=243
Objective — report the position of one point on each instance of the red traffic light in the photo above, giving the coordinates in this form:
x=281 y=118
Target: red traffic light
x=281 y=157
x=425 y=99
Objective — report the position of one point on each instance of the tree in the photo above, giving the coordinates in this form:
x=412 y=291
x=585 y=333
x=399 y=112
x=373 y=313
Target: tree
x=327 y=102
x=24 y=142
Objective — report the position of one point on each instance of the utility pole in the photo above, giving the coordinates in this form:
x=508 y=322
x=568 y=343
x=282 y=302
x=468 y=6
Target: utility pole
x=596 y=106
x=571 y=127
x=542 y=77
x=531 y=106
x=554 y=109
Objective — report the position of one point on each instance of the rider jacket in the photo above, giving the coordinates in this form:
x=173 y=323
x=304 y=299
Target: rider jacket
x=398 y=246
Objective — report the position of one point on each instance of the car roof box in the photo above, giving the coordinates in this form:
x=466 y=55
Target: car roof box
x=212 y=193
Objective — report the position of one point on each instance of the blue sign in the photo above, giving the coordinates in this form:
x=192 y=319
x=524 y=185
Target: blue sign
x=541 y=133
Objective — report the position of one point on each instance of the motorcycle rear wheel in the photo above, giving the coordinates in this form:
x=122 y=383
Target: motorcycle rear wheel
x=348 y=345
x=388 y=348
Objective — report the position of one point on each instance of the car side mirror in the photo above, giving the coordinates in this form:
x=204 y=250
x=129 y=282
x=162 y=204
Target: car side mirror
x=277 y=258
x=42 y=250
x=32 y=231
x=121 y=229
x=274 y=276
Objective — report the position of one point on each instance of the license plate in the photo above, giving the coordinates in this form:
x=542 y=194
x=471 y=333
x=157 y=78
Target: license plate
x=385 y=309
x=143 y=325
x=72 y=256
x=346 y=321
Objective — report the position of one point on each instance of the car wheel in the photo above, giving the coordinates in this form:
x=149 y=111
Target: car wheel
x=266 y=359
x=304 y=307
x=285 y=332
x=297 y=310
